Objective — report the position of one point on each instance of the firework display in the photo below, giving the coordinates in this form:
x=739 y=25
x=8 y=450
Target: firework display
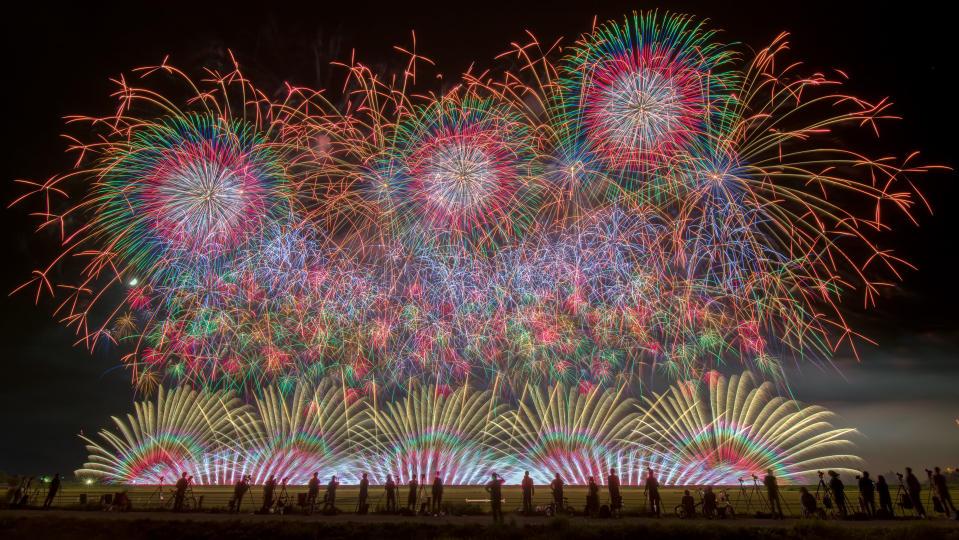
x=688 y=435
x=649 y=202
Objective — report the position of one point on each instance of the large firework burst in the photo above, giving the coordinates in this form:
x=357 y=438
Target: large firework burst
x=649 y=202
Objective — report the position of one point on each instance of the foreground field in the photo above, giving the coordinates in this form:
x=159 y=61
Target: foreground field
x=65 y=524
x=457 y=500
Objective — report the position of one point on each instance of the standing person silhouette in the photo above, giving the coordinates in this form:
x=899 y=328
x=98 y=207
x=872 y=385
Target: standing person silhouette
x=364 y=494
x=235 y=503
x=868 y=493
x=495 y=490
x=838 y=493
x=239 y=491
x=268 y=488
x=914 y=489
x=942 y=489
x=329 y=500
x=652 y=492
x=390 y=493
x=181 y=486
x=55 y=487
x=313 y=490
x=437 y=493
x=556 y=486
x=411 y=497
x=592 y=497
x=885 y=500
x=772 y=493
x=528 y=489
x=709 y=503
x=615 y=498
x=689 y=504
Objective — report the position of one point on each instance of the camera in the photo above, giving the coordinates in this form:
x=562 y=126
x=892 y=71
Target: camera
x=858 y=477
x=899 y=474
x=820 y=473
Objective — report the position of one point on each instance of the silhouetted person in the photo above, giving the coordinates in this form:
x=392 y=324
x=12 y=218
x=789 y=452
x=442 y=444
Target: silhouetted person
x=592 y=497
x=914 y=489
x=689 y=504
x=422 y=494
x=838 y=493
x=868 y=493
x=329 y=500
x=556 y=486
x=181 y=486
x=237 y=489
x=939 y=485
x=494 y=488
x=437 y=493
x=808 y=503
x=411 y=497
x=709 y=503
x=651 y=491
x=122 y=502
x=528 y=489
x=772 y=493
x=55 y=487
x=268 y=488
x=885 y=500
x=390 y=494
x=364 y=494
x=615 y=498
x=313 y=490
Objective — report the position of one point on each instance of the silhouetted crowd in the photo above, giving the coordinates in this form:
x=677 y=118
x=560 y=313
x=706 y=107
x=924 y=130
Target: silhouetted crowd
x=830 y=498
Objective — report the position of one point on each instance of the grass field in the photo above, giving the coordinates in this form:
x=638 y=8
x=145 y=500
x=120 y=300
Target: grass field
x=457 y=500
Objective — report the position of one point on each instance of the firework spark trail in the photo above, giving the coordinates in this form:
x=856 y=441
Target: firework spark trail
x=691 y=434
x=650 y=202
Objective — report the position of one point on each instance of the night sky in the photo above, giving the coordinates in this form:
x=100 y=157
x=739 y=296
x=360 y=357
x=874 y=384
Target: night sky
x=903 y=396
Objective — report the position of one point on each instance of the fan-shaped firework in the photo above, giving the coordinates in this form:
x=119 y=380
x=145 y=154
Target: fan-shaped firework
x=295 y=435
x=432 y=430
x=733 y=428
x=687 y=435
x=571 y=433
x=181 y=432
x=653 y=203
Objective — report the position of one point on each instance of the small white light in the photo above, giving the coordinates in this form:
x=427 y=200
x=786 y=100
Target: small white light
x=89 y=481
x=133 y=282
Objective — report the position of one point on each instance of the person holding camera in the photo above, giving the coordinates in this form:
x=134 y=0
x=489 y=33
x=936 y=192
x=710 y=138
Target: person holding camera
x=772 y=492
x=938 y=481
x=867 y=493
x=181 y=486
x=914 y=489
x=838 y=493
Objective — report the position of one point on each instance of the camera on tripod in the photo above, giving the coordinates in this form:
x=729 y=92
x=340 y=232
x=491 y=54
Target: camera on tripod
x=820 y=473
x=899 y=474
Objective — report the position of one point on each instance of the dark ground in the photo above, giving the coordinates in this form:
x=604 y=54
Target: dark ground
x=17 y=524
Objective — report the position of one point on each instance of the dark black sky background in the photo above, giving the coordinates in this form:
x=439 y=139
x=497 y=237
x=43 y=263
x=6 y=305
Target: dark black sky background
x=58 y=60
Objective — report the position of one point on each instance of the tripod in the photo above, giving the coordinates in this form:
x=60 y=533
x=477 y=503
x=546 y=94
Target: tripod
x=824 y=498
x=903 y=500
x=157 y=494
x=748 y=495
x=283 y=499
